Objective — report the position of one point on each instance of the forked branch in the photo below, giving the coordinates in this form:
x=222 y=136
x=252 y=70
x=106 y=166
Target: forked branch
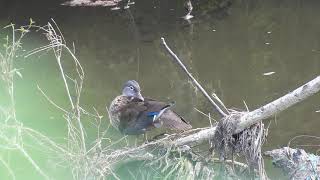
x=264 y=112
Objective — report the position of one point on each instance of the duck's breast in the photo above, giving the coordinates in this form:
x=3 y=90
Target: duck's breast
x=115 y=110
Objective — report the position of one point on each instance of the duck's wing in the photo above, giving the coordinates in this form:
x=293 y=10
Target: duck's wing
x=132 y=109
x=173 y=121
x=163 y=115
x=139 y=116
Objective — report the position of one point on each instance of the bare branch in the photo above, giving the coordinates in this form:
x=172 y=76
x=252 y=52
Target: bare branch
x=6 y=165
x=34 y=164
x=279 y=104
x=249 y=118
x=49 y=100
x=175 y=57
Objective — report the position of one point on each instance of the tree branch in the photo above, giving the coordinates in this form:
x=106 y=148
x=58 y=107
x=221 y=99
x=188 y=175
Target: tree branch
x=175 y=57
x=279 y=104
x=241 y=120
x=264 y=112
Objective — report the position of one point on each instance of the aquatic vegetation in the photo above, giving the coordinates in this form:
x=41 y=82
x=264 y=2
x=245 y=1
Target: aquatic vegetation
x=74 y=152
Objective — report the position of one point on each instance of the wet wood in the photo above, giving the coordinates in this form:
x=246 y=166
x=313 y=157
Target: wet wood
x=296 y=163
x=264 y=112
x=240 y=120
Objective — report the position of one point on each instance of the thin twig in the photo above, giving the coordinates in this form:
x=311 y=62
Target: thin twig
x=245 y=104
x=299 y=136
x=202 y=113
x=175 y=57
x=6 y=165
x=215 y=96
x=50 y=101
x=34 y=164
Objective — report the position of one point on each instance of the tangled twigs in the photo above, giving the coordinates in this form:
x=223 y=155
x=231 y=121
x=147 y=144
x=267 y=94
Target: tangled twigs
x=77 y=150
x=247 y=143
x=12 y=130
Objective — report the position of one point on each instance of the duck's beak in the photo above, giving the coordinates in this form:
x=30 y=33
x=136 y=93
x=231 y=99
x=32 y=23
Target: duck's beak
x=140 y=96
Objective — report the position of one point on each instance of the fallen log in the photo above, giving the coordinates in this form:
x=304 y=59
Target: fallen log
x=248 y=118
x=240 y=121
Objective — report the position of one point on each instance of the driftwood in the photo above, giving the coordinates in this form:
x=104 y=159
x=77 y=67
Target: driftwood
x=249 y=118
x=264 y=112
x=296 y=163
x=239 y=122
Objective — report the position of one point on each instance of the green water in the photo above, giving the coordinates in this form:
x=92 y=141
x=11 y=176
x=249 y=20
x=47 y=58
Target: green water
x=228 y=50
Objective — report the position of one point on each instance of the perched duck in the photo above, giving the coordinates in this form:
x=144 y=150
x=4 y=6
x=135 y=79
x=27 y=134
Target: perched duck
x=133 y=114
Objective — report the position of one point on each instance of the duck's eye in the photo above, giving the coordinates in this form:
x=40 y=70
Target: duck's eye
x=131 y=87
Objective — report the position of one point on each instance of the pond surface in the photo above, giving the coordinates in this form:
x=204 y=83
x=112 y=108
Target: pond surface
x=228 y=50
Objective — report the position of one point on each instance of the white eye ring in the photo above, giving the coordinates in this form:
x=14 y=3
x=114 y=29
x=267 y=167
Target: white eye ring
x=131 y=87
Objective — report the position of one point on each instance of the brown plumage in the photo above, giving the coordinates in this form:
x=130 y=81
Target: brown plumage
x=130 y=113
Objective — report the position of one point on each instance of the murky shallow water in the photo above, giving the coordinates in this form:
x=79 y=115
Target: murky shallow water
x=228 y=51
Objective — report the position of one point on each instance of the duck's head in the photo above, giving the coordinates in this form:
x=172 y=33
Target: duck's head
x=132 y=89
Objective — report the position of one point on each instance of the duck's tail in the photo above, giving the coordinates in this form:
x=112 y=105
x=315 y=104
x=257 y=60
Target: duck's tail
x=173 y=121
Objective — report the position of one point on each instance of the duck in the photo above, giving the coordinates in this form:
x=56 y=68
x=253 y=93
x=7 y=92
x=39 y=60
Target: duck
x=133 y=114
